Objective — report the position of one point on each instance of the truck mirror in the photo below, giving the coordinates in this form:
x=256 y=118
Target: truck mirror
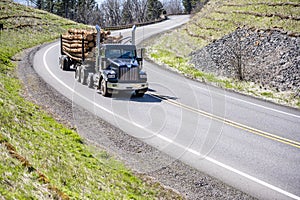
x=142 y=52
x=141 y=57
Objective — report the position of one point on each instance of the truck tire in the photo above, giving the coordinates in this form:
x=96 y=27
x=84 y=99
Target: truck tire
x=139 y=93
x=66 y=64
x=83 y=77
x=90 y=80
x=77 y=73
x=103 y=88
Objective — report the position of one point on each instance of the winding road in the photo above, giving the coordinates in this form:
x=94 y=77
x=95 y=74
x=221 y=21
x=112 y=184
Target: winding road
x=248 y=143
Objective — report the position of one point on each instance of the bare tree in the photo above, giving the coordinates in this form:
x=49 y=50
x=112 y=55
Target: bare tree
x=112 y=12
x=238 y=52
x=140 y=10
x=83 y=11
x=173 y=6
x=127 y=12
x=96 y=17
x=118 y=12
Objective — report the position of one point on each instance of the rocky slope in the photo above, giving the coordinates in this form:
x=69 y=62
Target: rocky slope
x=270 y=58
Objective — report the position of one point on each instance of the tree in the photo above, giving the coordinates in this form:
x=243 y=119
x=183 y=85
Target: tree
x=191 y=5
x=188 y=5
x=39 y=4
x=172 y=6
x=84 y=11
x=154 y=9
x=127 y=12
x=140 y=10
x=112 y=12
x=109 y=12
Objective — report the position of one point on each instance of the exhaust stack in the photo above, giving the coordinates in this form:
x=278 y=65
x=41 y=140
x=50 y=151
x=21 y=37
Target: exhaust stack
x=98 y=28
x=133 y=35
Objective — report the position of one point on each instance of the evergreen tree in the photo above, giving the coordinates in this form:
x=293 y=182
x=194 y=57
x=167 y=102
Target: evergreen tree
x=190 y=5
x=154 y=9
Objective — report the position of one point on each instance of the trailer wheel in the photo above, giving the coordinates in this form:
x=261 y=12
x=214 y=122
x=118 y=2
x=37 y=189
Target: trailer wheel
x=103 y=89
x=77 y=74
x=90 y=80
x=83 y=77
x=66 y=64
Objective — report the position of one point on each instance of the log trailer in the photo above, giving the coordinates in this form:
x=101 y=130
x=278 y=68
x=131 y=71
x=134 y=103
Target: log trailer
x=109 y=67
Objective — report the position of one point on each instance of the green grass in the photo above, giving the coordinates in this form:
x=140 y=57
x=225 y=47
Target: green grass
x=267 y=94
x=180 y=64
x=219 y=18
x=57 y=163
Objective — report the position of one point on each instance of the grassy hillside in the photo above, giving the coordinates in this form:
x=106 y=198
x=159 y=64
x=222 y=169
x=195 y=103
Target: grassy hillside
x=217 y=19
x=40 y=158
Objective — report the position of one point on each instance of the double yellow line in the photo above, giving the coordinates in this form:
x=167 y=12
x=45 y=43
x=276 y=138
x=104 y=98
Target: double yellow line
x=230 y=123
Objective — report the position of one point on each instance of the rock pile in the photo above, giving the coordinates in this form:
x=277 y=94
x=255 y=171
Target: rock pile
x=268 y=57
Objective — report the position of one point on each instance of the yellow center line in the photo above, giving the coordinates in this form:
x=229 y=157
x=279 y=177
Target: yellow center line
x=231 y=123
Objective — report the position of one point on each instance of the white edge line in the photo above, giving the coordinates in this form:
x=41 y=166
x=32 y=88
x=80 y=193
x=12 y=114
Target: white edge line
x=237 y=99
x=247 y=176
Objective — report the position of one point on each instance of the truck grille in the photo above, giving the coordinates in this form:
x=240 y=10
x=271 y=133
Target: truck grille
x=129 y=74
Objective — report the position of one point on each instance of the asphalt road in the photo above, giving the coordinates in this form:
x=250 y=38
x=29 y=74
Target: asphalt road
x=248 y=143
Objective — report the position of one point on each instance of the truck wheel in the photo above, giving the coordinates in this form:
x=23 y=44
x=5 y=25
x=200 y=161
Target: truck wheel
x=65 y=64
x=83 y=77
x=103 y=89
x=77 y=74
x=139 y=93
x=90 y=80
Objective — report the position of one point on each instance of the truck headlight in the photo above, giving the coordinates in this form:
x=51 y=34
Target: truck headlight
x=111 y=76
x=143 y=76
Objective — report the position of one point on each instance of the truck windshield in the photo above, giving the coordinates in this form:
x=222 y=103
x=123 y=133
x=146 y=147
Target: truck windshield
x=120 y=53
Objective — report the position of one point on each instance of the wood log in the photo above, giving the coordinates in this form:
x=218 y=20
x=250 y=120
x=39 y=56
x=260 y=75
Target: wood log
x=72 y=37
x=74 y=31
x=74 y=57
x=79 y=55
x=114 y=39
x=74 y=45
x=86 y=32
x=74 y=50
x=91 y=44
x=74 y=41
x=89 y=37
x=90 y=55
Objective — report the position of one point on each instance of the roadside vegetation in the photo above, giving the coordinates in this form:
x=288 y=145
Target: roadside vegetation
x=40 y=158
x=217 y=19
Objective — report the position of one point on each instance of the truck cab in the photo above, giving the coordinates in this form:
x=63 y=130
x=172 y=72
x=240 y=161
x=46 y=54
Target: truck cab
x=120 y=69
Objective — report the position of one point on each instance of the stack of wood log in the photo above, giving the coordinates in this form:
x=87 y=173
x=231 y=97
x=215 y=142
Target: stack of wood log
x=77 y=43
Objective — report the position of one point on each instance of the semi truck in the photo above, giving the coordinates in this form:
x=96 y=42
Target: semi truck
x=110 y=67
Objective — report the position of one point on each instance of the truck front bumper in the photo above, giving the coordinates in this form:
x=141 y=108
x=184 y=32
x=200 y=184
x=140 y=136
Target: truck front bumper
x=127 y=86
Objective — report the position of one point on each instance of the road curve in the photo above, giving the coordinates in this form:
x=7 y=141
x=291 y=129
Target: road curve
x=250 y=144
